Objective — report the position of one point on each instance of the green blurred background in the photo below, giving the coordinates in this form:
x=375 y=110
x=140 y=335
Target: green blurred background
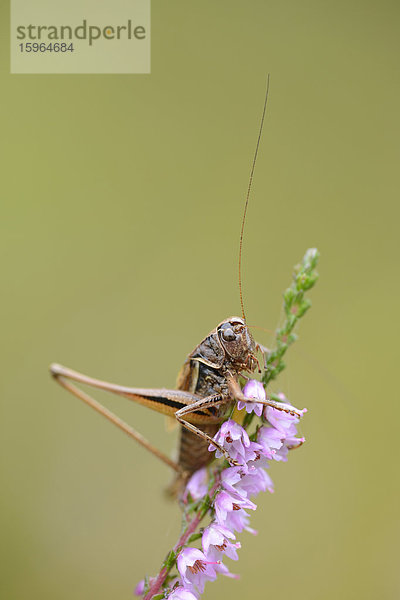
x=121 y=205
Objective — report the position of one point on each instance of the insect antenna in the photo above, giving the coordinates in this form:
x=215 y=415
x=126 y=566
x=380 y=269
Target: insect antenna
x=260 y=328
x=248 y=195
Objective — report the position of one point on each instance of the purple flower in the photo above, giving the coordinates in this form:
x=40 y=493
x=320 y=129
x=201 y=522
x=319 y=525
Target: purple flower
x=223 y=569
x=234 y=439
x=288 y=444
x=181 y=593
x=256 y=479
x=247 y=481
x=232 y=476
x=234 y=486
x=216 y=540
x=270 y=440
x=253 y=452
x=230 y=513
x=281 y=437
x=294 y=442
x=195 y=569
x=284 y=422
x=139 y=589
x=253 y=389
x=197 y=485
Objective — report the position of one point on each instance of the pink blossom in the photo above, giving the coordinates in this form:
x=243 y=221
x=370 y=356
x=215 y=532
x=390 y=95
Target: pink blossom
x=139 y=589
x=195 y=569
x=197 y=485
x=294 y=442
x=256 y=479
x=270 y=440
x=275 y=441
x=223 y=570
x=249 y=480
x=253 y=389
x=234 y=439
x=181 y=593
x=253 y=452
x=238 y=483
x=216 y=541
x=284 y=422
x=232 y=476
x=288 y=444
x=230 y=513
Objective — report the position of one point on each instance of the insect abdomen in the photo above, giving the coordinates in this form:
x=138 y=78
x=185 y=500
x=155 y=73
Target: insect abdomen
x=203 y=381
x=193 y=455
x=193 y=451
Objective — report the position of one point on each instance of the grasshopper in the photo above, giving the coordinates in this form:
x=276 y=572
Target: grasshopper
x=207 y=385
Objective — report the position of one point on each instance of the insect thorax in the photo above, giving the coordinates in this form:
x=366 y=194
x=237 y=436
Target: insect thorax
x=210 y=381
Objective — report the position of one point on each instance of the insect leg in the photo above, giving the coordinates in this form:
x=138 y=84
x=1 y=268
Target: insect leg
x=61 y=377
x=161 y=400
x=264 y=351
x=209 y=401
x=237 y=393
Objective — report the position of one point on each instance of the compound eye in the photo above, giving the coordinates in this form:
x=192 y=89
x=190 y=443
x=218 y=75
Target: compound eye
x=228 y=334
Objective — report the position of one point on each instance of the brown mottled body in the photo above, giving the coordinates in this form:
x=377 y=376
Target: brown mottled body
x=203 y=381
x=204 y=374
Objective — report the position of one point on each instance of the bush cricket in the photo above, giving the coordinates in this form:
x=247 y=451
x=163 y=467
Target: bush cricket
x=207 y=385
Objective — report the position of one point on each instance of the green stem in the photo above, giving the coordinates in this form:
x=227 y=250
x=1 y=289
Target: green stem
x=295 y=307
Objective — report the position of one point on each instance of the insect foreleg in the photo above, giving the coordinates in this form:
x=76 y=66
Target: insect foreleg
x=209 y=401
x=264 y=351
x=116 y=420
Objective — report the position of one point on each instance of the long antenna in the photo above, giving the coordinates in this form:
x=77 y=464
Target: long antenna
x=248 y=195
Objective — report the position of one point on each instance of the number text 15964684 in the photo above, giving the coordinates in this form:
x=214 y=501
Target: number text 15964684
x=44 y=47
